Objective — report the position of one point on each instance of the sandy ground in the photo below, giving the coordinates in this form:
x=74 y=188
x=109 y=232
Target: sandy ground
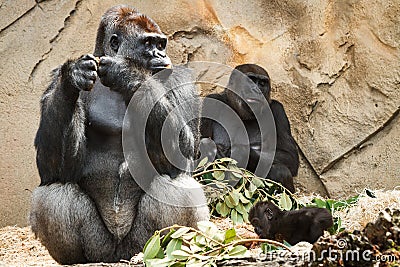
x=18 y=246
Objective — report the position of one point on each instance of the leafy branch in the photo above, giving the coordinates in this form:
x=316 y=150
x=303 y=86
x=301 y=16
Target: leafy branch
x=232 y=191
x=184 y=245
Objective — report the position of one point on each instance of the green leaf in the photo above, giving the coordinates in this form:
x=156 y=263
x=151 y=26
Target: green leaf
x=159 y=262
x=237 y=251
x=189 y=235
x=287 y=243
x=265 y=247
x=235 y=196
x=228 y=160
x=167 y=238
x=240 y=208
x=248 y=206
x=257 y=182
x=175 y=244
x=219 y=236
x=236 y=217
x=152 y=247
x=219 y=175
x=200 y=240
x=202 y=162
x=252 y=187
x=235 y=171
x=246 y=217
x=207 y=227
x=329 y=206
x=243 y=199
x=319 y=202
x=195 y=248
x=229 y=201
x=180 y=255
x=223 y=209
x=180 y=232
x=230 y=235
x=220 y=166
x=285 y=202
x=160 y=254
x=248 y=194
x=186 y=249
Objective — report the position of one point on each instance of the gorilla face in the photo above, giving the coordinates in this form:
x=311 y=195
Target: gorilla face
x=248 y=92
x=262 y=85
x=147 y=50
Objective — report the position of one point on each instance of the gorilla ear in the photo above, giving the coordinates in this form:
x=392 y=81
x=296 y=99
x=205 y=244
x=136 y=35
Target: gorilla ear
x=269 y=213
x=114 y=42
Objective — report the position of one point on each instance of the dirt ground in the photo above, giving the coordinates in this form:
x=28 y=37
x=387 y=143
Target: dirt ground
x=18 y=246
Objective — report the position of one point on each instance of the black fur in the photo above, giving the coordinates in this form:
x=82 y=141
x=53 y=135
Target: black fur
x=306 y=224
x=88 y=207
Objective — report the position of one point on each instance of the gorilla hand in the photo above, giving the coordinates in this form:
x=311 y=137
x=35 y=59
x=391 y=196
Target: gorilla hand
x=82 y=73
x=117 y=72
x=114 y=72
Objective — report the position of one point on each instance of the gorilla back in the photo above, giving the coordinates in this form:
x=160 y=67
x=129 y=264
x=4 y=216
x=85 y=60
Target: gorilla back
x=89 y=206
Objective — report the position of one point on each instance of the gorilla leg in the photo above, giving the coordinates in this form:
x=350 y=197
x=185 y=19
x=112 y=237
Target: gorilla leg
x=167 y=202
x=68 y=224
x=281 y=174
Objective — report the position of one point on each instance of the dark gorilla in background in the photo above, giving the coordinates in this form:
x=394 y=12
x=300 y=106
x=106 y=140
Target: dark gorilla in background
x=89 y=207
x=241 y=94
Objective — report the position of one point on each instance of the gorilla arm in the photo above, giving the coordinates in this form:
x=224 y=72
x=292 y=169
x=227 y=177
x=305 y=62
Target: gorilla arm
x=60 y=140
x=286 y=152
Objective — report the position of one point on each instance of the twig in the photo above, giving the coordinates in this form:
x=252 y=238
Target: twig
x=193 y=229
x=269 y=241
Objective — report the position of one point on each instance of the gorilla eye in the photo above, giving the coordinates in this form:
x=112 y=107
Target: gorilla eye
x=262 y=83
x=147 y=42
x=114 y=42
x=162 y=44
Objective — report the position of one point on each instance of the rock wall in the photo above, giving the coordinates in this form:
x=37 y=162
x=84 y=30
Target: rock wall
x=335 y=65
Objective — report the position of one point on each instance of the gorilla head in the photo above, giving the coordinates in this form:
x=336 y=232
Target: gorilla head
x=127 y=33
x=247 y=92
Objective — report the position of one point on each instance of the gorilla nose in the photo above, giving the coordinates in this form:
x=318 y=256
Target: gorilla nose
x=159 y=54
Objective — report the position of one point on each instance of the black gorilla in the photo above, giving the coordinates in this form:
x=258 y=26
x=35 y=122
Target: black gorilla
x=306 y=224
x=89 y=206
x=247 y=96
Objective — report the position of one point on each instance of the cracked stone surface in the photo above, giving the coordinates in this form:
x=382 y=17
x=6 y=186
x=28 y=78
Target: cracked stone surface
x=335 y=65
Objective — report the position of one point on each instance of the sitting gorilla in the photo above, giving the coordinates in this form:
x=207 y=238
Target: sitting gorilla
x=249 y=94
x=89 y=206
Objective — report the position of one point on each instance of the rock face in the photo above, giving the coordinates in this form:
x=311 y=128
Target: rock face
x=335 y=65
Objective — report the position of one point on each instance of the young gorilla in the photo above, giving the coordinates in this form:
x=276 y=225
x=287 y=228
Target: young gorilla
x=240 y=96
x=306 y=224
x=88 y=207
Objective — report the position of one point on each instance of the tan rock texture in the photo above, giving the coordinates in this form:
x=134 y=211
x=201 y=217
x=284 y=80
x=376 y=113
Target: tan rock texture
x=335 y=65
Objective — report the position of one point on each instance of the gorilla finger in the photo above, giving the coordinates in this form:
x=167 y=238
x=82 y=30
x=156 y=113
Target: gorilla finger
x=106 y=61
x=90 y=57
x=89 y=65
x=91 y=75
x=88 y=85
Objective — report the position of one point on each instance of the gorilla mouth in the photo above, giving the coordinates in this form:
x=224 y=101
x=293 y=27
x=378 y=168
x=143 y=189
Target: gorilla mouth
x=158 y=68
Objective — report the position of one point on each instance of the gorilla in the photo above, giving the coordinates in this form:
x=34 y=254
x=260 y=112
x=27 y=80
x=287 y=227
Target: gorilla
x=90 y=205
x=248 y=92
x=306 y=224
